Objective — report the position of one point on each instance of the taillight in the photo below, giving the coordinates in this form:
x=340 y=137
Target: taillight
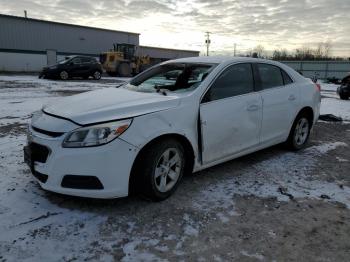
x=318 y=87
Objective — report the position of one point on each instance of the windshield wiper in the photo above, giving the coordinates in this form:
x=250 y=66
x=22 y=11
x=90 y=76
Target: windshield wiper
x=161 y=90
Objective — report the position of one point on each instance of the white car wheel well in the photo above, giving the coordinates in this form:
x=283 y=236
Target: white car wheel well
x=133 y=179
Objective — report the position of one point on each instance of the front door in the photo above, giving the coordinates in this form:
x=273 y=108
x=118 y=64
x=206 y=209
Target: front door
x=231 y=114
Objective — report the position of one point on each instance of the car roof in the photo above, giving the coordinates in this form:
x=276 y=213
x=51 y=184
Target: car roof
x=226 y=60
x=220 y=59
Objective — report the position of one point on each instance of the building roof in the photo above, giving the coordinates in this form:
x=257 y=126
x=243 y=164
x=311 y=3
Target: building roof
x=65 y=24
x=166 y=49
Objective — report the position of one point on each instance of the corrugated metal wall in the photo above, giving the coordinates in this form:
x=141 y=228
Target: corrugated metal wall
x=321 y=69
x=24 y=43
x=18 y=33
x=163 y=53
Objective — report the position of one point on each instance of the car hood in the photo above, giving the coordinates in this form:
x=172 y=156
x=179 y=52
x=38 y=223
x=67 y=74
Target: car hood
x=109 y=104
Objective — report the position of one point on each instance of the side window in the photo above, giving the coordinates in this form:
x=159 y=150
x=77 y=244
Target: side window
x=76 y=61
x=86 y=60
x=286 y=78
x=235 y=80
x=270 y=76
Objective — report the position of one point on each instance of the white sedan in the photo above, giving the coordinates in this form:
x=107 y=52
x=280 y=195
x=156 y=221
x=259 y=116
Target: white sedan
x=180 y=116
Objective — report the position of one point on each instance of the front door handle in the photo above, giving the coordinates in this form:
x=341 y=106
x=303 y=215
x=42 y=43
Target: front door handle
x=253 y=108
x=291 y=98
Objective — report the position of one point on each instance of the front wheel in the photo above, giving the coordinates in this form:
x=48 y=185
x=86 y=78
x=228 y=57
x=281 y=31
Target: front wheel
x=64 y=75
x=299 y=133
x=163 y=166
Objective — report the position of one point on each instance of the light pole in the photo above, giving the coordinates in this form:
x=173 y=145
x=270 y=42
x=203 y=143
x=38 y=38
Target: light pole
x=207 y=41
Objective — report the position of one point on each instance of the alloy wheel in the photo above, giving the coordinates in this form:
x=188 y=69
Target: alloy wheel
x=168 y=170
x=64 y=75
x=301 y=131
x=97 y=75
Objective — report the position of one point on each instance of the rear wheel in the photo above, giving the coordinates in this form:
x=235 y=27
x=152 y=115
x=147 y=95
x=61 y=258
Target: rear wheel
x=343 y=97
x=124 y=69
x=299 y=133
x=162 y=167
x=97 y=75
x=64 y=75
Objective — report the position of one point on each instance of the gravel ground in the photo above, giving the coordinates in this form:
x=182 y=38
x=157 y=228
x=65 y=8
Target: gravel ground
x=273 y=205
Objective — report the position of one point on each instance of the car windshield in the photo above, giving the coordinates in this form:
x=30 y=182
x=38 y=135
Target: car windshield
x=176 y=77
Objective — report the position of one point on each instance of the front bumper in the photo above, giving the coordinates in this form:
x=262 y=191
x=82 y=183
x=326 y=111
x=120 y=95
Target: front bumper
x=49 y=73
x=110 y=163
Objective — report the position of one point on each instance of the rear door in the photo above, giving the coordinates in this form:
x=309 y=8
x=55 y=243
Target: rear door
x=230 y=114
x=280 y=99
x=86 y=65
x=74 y=67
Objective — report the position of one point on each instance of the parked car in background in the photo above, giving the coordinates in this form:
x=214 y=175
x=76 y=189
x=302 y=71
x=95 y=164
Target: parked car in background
x=143 y=136
x=73 y=66
x=344 y=89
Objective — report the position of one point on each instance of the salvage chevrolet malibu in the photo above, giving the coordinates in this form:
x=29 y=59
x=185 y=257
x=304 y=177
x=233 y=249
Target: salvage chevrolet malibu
x=143 y=136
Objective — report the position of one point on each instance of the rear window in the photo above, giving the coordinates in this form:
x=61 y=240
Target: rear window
x=270 y=76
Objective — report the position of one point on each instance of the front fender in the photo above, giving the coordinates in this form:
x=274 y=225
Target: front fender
x=148 y=127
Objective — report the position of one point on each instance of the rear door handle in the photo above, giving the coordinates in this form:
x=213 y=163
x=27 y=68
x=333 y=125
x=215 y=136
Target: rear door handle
x=253 y=108
x=291 y=98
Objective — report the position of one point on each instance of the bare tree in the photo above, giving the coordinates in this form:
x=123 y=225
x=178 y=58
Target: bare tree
x=259 y=49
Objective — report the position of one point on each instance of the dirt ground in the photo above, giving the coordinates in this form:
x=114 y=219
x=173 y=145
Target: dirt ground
x=272 y=205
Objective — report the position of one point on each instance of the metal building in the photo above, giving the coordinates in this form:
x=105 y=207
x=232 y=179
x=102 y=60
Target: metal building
x=321 y=69
x=28 y=44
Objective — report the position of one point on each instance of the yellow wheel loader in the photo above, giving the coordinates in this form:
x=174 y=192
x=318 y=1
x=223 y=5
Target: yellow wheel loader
x=122 y=61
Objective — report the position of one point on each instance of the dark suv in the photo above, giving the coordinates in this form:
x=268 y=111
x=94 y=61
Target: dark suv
x=344 y=89
x=73 y=66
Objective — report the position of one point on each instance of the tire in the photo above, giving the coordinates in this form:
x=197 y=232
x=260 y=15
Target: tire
x=124 y=69
x=299 y=133
x=343 y=97
x=64 y=75
x=157 y=177
x=97 y=75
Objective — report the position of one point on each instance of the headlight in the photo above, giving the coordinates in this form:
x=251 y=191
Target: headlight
x=96 y=135
x=53 y=67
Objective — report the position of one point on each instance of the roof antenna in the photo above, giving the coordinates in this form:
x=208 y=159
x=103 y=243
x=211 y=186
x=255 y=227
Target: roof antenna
x=25 y=14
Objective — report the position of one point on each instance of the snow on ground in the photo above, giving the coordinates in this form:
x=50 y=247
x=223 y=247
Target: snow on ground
x=332 y=104
x=35 y=225
x=22 y=95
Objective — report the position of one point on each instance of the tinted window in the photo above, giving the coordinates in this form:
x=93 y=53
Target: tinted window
x=76 y=60
x=270 y=76
x=235 y=80
x=86 y=60
x=286 y=78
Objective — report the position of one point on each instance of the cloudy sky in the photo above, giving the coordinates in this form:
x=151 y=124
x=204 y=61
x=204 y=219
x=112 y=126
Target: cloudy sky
x=181 y=23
